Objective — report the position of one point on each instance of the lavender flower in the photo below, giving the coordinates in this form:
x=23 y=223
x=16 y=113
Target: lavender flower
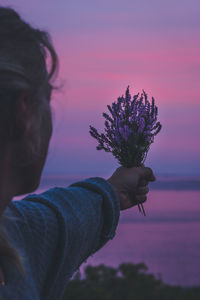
x=129 y=129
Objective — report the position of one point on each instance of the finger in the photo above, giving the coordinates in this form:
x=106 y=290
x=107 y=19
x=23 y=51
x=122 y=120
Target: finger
x=141 y=198
x=126 y=201
x=147 y=173
x=142 y=190
x=143 y=182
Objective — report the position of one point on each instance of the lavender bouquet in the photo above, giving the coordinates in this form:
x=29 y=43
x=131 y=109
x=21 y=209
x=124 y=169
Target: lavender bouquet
x=129 y=130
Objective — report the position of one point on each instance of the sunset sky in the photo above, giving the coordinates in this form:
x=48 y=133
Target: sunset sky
x=106 y=45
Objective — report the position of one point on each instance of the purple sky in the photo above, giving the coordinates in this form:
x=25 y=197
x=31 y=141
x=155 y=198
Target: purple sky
x=103 y=47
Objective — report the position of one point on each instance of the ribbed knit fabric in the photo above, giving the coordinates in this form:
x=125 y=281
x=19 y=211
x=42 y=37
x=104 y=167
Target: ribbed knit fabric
x=56 y=231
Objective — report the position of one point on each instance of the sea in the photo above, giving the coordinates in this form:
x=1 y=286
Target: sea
x=167 y=239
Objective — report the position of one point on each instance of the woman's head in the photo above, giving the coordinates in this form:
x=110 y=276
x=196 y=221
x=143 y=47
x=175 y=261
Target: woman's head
x=25 y=91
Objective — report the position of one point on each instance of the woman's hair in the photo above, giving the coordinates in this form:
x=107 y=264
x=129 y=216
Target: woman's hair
x=28 y=62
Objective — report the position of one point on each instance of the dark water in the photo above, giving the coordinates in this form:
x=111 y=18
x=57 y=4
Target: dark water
x=167 y=240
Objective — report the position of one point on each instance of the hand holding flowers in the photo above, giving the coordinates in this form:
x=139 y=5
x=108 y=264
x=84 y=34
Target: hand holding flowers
x=131 y=184
x=129 y=130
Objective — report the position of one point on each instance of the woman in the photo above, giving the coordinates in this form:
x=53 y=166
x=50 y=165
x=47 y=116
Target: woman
x=44 y=238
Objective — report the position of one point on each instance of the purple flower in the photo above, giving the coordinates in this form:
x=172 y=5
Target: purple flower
x=121 y=131
x=117 y=139
x=127 y=132
x=130 y=129
x=141 y=125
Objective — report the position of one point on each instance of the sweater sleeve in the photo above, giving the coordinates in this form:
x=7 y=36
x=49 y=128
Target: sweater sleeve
x=62 y=227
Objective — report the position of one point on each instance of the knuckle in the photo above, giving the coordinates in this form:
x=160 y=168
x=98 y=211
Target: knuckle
x=143 y=190
x=141 y=198
x=149 y=171
x=144 y=198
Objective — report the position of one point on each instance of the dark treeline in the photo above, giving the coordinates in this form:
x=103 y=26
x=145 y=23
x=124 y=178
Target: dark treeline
x=127 y=282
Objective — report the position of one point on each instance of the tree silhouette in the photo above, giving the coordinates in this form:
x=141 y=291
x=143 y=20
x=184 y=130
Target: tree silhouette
x=127 y=282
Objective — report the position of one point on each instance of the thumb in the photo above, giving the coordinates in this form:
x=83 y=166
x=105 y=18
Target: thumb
x=147 y=174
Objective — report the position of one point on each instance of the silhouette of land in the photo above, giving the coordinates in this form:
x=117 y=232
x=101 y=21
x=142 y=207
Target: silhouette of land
x=126 y=282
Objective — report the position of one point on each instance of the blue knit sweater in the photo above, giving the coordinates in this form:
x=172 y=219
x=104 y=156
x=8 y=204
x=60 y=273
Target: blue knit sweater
x=56 y=231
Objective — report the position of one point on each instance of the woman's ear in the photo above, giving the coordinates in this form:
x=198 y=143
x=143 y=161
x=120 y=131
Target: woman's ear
x=23 y=115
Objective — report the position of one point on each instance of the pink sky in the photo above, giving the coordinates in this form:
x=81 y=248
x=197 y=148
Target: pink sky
x=103 y=47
